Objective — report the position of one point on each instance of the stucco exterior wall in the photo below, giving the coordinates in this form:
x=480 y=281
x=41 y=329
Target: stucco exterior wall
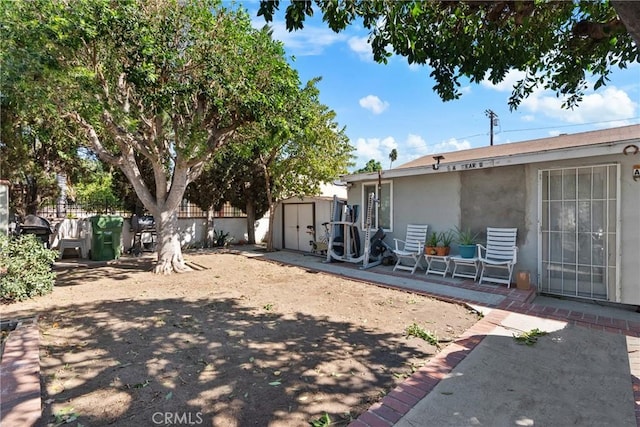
x=432 y=200
x=494 y=197
x=508 y=196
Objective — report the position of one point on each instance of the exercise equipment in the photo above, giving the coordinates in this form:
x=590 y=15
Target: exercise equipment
x=344 y=240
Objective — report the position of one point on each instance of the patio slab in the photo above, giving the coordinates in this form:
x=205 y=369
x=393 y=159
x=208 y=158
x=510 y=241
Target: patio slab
x=572 y=376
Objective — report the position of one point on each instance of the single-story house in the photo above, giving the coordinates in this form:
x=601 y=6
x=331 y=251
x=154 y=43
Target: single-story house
x=294 y=215
x=575 y=200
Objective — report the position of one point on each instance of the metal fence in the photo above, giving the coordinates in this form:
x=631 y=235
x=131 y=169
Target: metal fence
x=86 y=208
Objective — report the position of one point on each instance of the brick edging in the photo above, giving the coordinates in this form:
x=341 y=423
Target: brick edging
x=20 y=376
x=405 y=396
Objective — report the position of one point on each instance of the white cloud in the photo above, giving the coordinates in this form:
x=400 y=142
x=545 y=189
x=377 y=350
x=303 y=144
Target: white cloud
x=309 y=41
x=374 y=148
x=452 y=144
x=528 y=118
x=506 y=85
x=415 y=146
x=373 y=104
x=411 y=148
x=360 y=45
x=607 y=105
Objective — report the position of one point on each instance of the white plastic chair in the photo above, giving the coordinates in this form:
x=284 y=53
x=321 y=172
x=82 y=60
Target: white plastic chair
x=72 y=234
x=501 y=253
x=411 y=248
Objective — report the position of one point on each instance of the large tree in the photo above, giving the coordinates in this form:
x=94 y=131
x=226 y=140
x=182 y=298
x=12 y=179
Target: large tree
x=169 y=81
x=305 y=149
x=268 y=163
x=555 y=43
x=34 y=145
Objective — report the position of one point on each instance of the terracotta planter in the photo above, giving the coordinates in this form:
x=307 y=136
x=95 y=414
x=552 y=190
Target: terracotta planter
x=430 y=250
x=442 y=250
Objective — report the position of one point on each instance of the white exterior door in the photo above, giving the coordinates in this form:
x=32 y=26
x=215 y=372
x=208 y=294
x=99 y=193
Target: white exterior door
x=578 y=239
x=297 y=216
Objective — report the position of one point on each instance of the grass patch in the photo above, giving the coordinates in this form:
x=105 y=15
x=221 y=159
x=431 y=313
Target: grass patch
x=529 y=338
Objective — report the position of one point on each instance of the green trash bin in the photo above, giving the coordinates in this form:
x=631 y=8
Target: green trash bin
x=105 y=241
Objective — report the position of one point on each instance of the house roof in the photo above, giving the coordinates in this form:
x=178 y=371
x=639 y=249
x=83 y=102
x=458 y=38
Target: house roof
x=570 y=145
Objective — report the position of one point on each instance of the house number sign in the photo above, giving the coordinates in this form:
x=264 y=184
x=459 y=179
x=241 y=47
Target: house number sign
x=470 y=165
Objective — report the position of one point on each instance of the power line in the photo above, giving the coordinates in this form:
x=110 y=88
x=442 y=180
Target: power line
x=547 y=127
x=566 y=126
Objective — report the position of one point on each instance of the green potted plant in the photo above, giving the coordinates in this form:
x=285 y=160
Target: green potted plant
x=431 y=243
x=444 y=245
x=466 y=242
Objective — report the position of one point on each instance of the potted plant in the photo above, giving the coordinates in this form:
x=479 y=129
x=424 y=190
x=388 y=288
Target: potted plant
x=466 y=242
x=444 y=246
x=431 y=243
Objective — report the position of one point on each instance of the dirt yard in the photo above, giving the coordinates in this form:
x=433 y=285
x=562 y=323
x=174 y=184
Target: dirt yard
x=240 y=342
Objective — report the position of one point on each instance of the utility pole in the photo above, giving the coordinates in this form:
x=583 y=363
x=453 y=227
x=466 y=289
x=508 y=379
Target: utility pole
x=493 y=120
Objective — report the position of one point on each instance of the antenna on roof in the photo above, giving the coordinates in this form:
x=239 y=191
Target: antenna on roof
x=493 y=121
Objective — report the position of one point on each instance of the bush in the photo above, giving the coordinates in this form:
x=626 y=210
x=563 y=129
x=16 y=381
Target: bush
x=25 y=268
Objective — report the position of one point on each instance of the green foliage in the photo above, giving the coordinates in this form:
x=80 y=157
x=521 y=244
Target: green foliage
x=554 y=44
x=371 y=166
x=433 y=240
x=393 y=156
x=447 y=237
x=152 y=88
x=529 y=338
x=25 y=268
x=465 y=237
x=296 y=154
x=97 y=192
x=221 y=238
x=323 y=421
x=419 y=332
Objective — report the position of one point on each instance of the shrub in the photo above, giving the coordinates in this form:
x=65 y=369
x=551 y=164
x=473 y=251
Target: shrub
x=25 y=268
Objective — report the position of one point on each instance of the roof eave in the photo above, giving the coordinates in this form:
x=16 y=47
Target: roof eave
x=602 y=149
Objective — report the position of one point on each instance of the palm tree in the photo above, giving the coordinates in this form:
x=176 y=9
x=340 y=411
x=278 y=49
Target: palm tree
x=393 y=155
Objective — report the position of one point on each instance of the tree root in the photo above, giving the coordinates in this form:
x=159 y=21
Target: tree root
x=169 y=266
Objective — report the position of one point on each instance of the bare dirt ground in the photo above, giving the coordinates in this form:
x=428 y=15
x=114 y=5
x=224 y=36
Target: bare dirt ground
x=240 y=342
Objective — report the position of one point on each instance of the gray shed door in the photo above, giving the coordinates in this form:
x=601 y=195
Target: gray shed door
x=578 y=231
x=297 y=216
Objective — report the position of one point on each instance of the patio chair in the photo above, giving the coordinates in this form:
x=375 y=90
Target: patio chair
x=501 y=253
x=411 y=248
x=72 y=234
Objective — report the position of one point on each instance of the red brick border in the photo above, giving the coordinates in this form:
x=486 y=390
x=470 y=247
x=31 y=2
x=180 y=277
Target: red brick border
x=516 y=301
x=401 y=399
x=20 y=377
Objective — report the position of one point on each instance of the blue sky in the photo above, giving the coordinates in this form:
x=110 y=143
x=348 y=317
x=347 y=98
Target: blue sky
x=394 y=106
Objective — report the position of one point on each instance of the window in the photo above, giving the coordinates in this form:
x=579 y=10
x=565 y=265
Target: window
x=382 y=213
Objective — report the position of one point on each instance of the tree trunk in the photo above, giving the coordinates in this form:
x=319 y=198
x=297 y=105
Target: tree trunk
x=169 y=251
x=251 y=222
x=629 y=14
x=272 y=217
x=208 y=229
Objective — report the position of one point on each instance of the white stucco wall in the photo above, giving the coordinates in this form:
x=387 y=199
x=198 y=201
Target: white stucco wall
x=192 y=230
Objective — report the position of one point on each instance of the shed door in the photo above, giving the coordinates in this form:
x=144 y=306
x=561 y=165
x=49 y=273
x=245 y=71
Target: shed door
x=296 y=218
x=578 y=236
